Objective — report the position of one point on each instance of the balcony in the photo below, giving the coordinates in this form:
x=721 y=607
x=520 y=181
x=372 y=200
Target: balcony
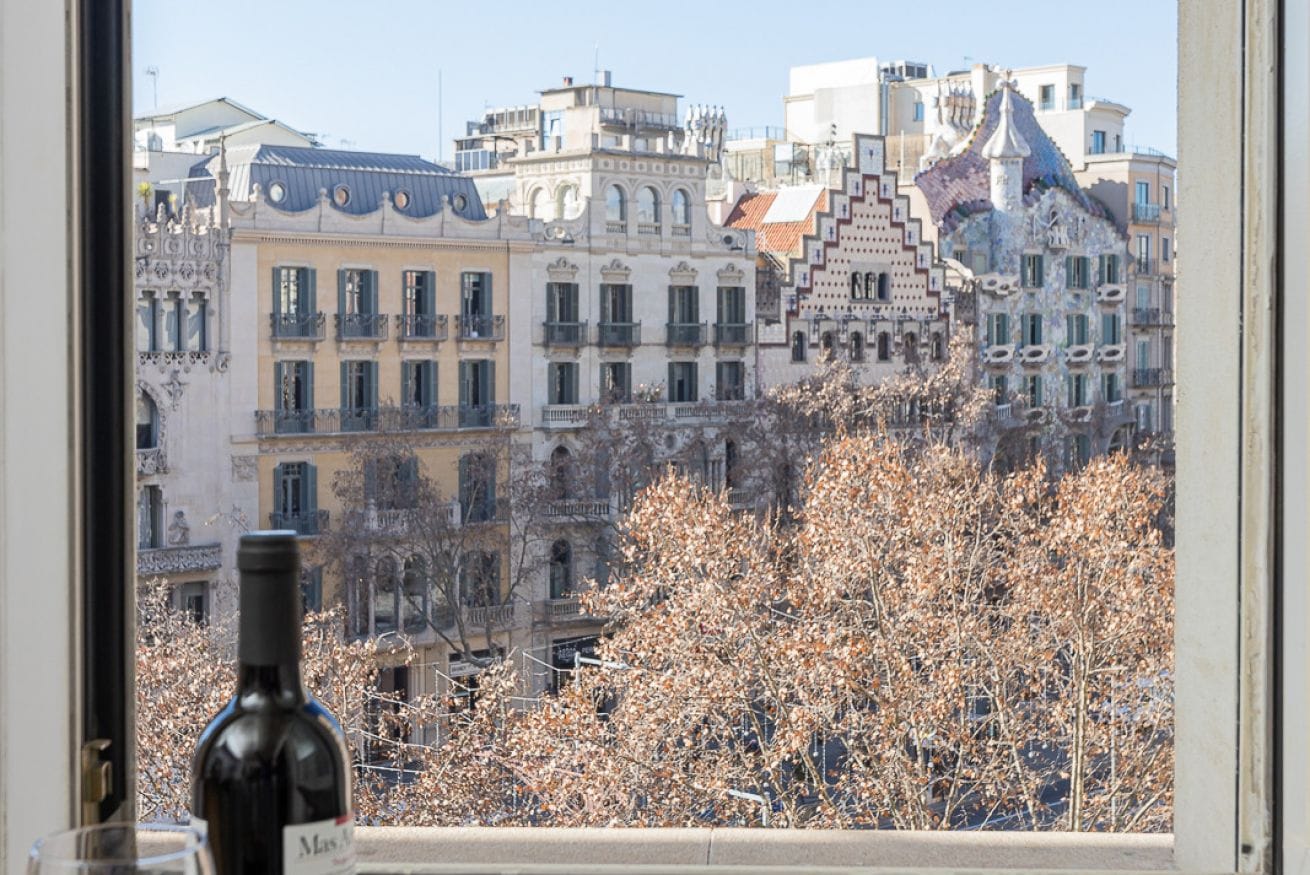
x=638 y=118
x=1110 y=293
x=564 y=333
x=998 y=354
x=165 y=561
x=998 y=285
x=361 y=326
x=565 y=415
x=566 y=608
x=682 y=230
x=151 y=461
x=332 y=420
x=618 y=334
x=741 y=498
x=297 y=326
x=1152 y=316
x=1146 y=213
x=566 y=509
x=1036 y=353
x=1145 y=266
x=648 y=229
x=417 y=327
x=685 y=333
x=1079 y=354
x=490 y=616
x=1148 y=378
x=479 y=327
x=309 y=522
x=399 y=521
x=616 y=227
x=682 y=411
x=1110 y=353
x=731 y=334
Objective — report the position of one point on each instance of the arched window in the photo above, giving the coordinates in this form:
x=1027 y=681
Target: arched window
x=681 y=207
x=616 y=205
x=540 y=205
x=561 y=570
x=798 y=346
x=648 y=206
x=884 y=346
x=857 y=287
x=910 y=347
x=567 y=203
x=938 y=347
x=828 y=346
x=884 y=287
x=561 y=473
x=414 y=603
x=147 y=422
x=385 y=596
x=857 y=346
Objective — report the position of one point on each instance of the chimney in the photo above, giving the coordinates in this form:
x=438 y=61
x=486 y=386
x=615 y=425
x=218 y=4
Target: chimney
x=568 y=81
x=603 y=78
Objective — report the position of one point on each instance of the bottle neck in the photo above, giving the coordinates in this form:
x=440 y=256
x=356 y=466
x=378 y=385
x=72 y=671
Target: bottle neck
x=282 y=682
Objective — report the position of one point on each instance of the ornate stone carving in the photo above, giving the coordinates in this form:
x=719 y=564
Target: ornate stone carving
x=179 y=530
x=562 y=270
x=183 y=360
x=179 y=560
x=682 y=274
x=151 y=462
x=245 y=468
x=616 y=272
x=731 y=275
x=175 y=387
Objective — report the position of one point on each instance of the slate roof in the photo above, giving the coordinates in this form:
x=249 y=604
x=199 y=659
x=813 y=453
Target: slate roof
x=960 y=185
x=784 y=238
x=303 y=171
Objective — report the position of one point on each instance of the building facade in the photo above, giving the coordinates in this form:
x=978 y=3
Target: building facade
x=846 y=271
x=1048 y=271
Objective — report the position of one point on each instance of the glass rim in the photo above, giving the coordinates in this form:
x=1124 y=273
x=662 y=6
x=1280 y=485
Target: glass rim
x=196 y=840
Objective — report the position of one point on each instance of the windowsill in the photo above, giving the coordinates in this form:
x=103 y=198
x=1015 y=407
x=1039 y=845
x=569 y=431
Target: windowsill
x=527 y=850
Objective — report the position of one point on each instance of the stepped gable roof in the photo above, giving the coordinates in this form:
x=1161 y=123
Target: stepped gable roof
x=303 y=171
x=780 y=219
x=960 y=185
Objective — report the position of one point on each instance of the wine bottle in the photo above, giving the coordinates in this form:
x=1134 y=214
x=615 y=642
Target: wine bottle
x=270 y=778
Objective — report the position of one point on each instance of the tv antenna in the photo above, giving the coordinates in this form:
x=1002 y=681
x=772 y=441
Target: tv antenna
x=153 y=73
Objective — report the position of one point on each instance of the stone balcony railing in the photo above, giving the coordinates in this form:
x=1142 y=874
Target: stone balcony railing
x=495 y=616
x=578 y=508
x=186 y=559
x=567 y=608
x=150 y=462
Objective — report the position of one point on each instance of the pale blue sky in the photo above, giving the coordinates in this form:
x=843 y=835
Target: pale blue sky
x=364 y=75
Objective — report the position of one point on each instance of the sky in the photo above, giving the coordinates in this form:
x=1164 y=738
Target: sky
x=365 y=75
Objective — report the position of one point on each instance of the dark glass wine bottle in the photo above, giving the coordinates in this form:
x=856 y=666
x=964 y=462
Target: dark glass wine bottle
x=270 y=778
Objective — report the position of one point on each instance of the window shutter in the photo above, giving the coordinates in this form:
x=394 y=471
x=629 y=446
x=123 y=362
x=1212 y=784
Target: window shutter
x=488 y=387
x=310 y=293
x=465 y=487
x=465 y=384
x=552 y=313
x=279 y=488
x=309 y=385
x=372 y=291
x=1068 y=330
x=279 y=374
x=489 y=481
x=670 y=394
x=371 y=402
x=673 y=294
x=1069 y=271
x=370 y=479
x=429 y=298
x=341 y=292
x=428 y=388
x=695 y=304
x=309 y=489
x=693 y=390
x=277 y=291
x=485 y=303
x=345 y=385
x=573 y=384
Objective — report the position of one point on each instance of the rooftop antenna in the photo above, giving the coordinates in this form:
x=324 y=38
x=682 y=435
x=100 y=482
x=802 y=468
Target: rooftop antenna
x=441 y=135
x=153 y=73
x=595 y=64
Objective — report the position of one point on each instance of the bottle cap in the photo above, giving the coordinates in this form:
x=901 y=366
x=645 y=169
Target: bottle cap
x=268 y=551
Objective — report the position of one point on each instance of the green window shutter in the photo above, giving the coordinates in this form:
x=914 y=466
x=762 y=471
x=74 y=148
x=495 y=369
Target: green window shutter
x=1069 y=330
x=1069 y=271
x=669 y=393
x=341 y=292
x=489 y=382
x=309 y=296
x=371 y=402
x=345 y=385
x=673 y=294
x=693 y=391
x=695 y=305
x=372 y=291
x=430 y=384
x=279 y=488
x=486 y=294
x=552 y=290
x=279 y=374
x=309 y=385
x=429 y=299
x=309 y=489
x=573 y=372
x=465 y=383
x=277 y=291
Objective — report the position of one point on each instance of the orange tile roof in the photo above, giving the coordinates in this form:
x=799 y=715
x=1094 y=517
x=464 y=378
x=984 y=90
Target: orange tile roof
x=773 y=237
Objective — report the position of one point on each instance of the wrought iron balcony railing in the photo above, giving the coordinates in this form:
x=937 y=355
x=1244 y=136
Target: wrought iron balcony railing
x=297 y=326
x=361 y=326
x=334 y=420
x=1145 y=266
x=618 y=334
x=479 y=327
x=565 y=333
x=181 y=559
x=305 y=522
x=731 y=334
x=1149 y=377
x=1152 y=316
x=416 y=326
x=1146 y=213
x=685 y=333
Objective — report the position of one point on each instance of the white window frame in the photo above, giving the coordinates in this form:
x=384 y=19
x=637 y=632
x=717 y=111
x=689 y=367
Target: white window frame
x=1229 y=552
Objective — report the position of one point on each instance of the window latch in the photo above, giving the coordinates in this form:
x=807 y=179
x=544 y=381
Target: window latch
x=97 y=778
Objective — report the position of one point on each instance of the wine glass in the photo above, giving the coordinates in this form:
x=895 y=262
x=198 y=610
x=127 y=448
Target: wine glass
x=122 y=848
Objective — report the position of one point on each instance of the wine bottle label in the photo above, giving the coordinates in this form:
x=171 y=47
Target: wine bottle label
x=326 y=847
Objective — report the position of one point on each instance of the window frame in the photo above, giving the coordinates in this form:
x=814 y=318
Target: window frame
x=1226 y=775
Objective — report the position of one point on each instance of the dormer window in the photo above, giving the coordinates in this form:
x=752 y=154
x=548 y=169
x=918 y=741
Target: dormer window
x=341 y=195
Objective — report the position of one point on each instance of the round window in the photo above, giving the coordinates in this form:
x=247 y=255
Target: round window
x=341 y=195
x=459 y=202
x=402 y=199
x=277 y=192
